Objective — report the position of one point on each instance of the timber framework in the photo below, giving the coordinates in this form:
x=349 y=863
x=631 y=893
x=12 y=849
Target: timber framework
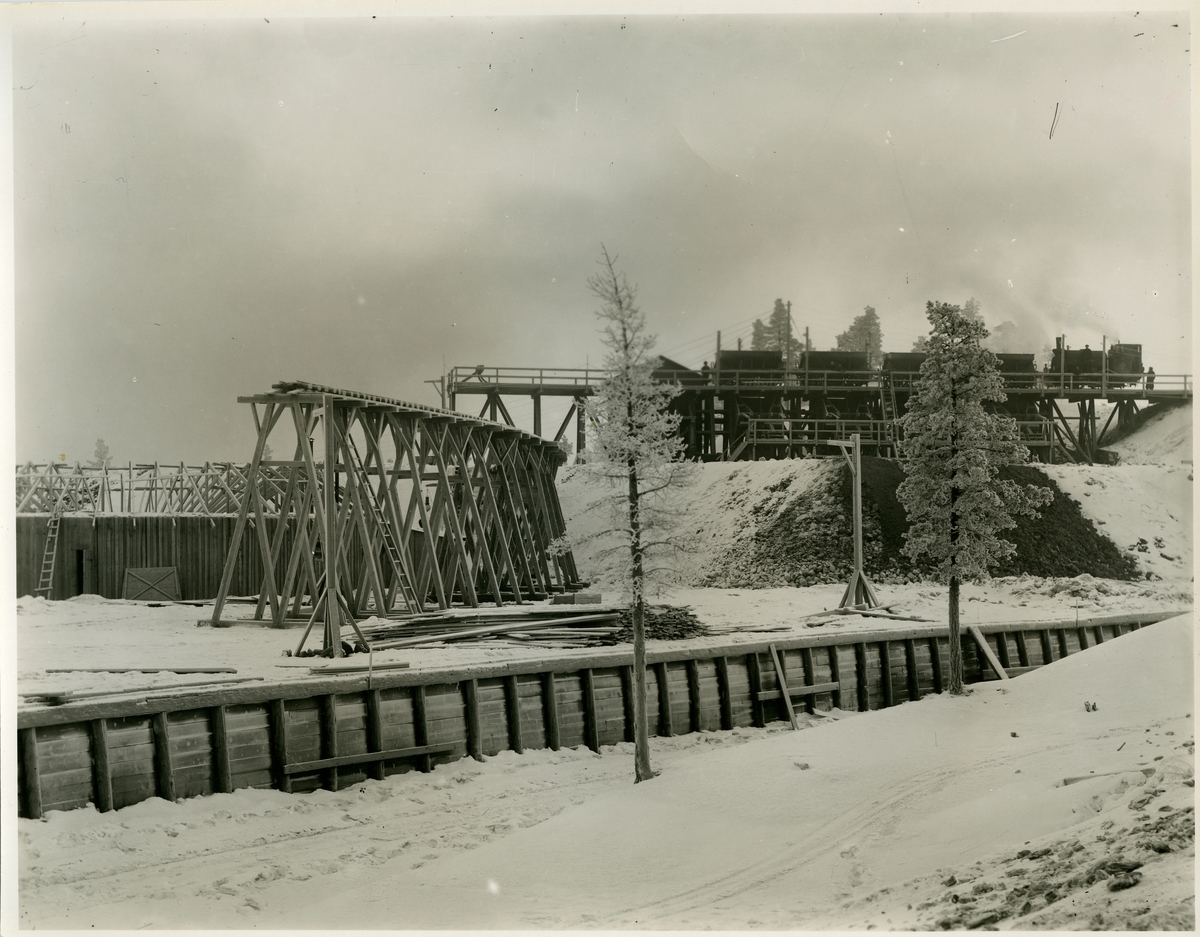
x=408 y=507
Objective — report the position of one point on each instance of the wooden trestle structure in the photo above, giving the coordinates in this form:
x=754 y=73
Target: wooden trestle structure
x=409 y=506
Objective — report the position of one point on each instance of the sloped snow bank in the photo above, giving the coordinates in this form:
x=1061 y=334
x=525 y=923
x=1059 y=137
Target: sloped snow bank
x=1164 y=439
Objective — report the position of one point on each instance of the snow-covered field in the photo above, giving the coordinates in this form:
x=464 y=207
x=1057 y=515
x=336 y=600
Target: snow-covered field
x=951 y=812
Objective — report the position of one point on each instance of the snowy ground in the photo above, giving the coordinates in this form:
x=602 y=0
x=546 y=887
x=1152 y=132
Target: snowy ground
x=951 y=812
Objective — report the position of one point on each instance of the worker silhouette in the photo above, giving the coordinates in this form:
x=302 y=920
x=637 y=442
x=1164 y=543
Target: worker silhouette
x=1150 y=379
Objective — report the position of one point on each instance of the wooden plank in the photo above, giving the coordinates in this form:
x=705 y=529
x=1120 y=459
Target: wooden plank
x=163 y=769
x=33 y=778
x=550 y=710
x=666 y=726
x=799 y=692
x=513 y=706
x=783 y=688
x=754 y=671
x=341 y=761
x=723 y=692
x=591 y=716
x=860 y=670
x=279 y=747
x=810 y=677
x=983 y=645
x=910 y=669
x=223 y=778
x=100 y=766
x=375 y=730
x=474 y=726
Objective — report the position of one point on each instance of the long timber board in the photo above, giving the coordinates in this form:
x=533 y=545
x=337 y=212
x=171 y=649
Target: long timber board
x=332 y=732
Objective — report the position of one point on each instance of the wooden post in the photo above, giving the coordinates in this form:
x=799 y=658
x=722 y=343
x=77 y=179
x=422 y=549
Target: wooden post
x=103 y=771
x=1047 y=650
x=513 y=705
x=375 y=731
x=164 y=770
x=223 y=775
x=693 y=682
x=1022 y=650
x=785 y=692
x=835 y=674
x=537 y=414
x=279 y=753
x=591 y=718
x=333 y=612
x=33 y=775
x=859 y=591
x=666 y=725
x=910 y=667
x=550 y=708
x=627 y=700
x=806 y=659
x=1061 y=633
x=757 y=710
x=935 y=658
x=1002 y=649
x=885 y=672
x=329 y=737
x=860 y=671
x=474 y=729
x=421 y=726
x=724 y=693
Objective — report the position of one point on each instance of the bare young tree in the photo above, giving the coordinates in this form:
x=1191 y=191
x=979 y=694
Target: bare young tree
x=635 y=454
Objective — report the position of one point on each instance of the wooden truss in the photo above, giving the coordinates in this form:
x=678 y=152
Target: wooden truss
x=210 y=489
x=426 y=507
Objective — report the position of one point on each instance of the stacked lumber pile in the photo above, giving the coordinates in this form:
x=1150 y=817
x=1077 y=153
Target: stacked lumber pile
x=557 y=626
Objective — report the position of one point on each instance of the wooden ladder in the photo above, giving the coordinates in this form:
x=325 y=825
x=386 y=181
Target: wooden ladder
x=46 y=579
x=887 y=404
x=389 y=542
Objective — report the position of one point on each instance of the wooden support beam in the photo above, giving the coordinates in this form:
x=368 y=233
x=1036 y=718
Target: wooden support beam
x=982 y=643
x=1002 y=649
x=935 y=658
x=910 y=669
x=591 y=716
x=331 y=765
x=279 y=751
x=375 y=731
x=835 y=673
x=33 y=774
x=470 y=690
x=693 y=682
x=101 y=768
x=723 y=692
x=666 y=726
x=860 y=673
x=421 y=725
x=810 y=677
x=550 y=708
x=329 y=739
x=1047 y=650
x=783 y=688
x=885 y=673
x=513 y=706
x=223 y=772
x=1022 y=649
x=164 y=769
x=753 y=671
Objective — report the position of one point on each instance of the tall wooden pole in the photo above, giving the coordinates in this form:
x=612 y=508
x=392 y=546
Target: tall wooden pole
x=858 y=554
x=333 y=613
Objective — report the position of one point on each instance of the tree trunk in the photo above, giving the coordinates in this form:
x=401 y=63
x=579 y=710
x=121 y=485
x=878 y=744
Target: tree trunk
x=956 y=658
x=641 y=730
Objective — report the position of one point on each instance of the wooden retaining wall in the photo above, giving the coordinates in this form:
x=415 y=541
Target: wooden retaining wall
x=334 y=732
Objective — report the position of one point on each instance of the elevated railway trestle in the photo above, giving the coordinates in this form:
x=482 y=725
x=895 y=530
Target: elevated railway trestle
x=761 y=409
x=443 y=509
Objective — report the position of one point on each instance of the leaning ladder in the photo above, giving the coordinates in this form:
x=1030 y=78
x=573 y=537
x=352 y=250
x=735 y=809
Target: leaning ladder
x=46 y=579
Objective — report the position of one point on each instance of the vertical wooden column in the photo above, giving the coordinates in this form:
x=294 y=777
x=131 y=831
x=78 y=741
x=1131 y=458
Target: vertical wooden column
x=164 y=770
x=550 y=707
x=693 y=682
x=806 y=659
x=537 y=414
x=910 y=669
x=100 y=764
x=724 y=693
x=421 y=727
x=885 y=672
x=835 y=674
x=1047 y=650
x=860 y=667
x=1022 y=649
x=223 y=773
x=33 y=774
x=591 y=717
x=1002 y=649
x=329 y=737
x=474 y=729
x=757 y=709
x=279 y=752
x=935 y=658
x=375 y=731
x=333 y=612
x=513 y=705
x=665 y=722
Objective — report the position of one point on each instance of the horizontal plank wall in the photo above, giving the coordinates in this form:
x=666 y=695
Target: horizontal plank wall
x=336 y=732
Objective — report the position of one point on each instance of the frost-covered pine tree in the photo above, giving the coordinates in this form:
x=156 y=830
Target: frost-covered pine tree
x=954 y=448
x=635 y=457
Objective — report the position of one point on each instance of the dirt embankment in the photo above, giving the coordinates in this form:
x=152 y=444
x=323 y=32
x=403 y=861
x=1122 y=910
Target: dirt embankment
x=801 y=534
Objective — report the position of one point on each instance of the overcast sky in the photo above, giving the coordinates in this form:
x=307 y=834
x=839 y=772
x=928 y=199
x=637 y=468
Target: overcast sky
x=207 y=206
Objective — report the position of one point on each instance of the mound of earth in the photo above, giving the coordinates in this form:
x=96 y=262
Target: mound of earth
x=783 y=523
x=1164 y=436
